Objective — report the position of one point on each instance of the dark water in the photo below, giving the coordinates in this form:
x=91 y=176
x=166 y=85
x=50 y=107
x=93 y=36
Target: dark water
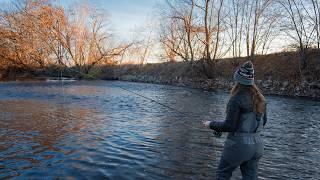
x=93 y=130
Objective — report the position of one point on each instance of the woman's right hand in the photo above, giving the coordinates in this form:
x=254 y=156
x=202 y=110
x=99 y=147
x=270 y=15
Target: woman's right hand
x=206 y=124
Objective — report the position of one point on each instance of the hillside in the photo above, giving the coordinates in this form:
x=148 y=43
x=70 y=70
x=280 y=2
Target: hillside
x=275 y=74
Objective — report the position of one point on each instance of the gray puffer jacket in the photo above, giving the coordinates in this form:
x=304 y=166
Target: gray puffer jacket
x=240 y=117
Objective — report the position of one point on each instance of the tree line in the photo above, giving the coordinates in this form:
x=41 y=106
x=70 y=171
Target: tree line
x=36 y=34
x=39 y=33
x=211 y=29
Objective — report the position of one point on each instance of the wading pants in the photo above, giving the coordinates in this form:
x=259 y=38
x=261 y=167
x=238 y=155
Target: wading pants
x=243 y=151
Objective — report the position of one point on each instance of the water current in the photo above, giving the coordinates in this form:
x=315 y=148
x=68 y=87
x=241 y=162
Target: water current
x=97 y=130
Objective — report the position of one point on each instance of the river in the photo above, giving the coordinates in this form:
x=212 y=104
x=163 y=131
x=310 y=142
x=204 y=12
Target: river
x=96 y=129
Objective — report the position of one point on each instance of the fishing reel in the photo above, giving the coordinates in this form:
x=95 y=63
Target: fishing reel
x=217 y=133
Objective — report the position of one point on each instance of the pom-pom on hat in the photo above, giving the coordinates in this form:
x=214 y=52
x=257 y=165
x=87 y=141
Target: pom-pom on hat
x=245 y=74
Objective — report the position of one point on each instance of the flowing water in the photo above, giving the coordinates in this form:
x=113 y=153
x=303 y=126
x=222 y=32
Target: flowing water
x=95 y=129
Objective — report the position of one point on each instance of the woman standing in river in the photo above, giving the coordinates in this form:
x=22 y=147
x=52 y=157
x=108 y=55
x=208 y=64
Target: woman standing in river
x=246 y=114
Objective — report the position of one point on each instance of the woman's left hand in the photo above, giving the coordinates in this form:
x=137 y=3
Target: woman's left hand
x=206 y=124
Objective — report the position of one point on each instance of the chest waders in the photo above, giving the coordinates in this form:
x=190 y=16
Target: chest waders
x=243 y=148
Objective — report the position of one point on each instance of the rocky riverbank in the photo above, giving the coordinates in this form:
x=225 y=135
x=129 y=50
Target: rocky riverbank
x=270 y=87
x=276 y=74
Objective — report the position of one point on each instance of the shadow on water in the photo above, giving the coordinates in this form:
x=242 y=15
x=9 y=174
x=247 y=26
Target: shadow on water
x=97 y=130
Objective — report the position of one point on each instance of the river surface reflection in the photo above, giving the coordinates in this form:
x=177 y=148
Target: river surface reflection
x=95 y=129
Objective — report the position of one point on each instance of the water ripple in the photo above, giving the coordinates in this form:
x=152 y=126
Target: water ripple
x=95 y=130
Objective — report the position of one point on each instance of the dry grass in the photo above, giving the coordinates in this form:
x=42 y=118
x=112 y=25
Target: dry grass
x=279 y=66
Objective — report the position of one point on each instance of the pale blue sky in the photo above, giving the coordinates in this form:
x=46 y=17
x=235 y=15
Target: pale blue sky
x=125 y=15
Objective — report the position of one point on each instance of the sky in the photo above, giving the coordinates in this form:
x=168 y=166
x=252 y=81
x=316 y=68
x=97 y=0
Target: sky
x=126 y=16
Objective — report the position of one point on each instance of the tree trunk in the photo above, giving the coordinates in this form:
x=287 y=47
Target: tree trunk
x=218 y=31
x=207 y=33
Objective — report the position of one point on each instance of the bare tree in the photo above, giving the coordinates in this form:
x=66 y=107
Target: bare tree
x=315 y=17
x=252 y=26
x=173 y=39
x=177 y=28
x=235 y=22
x=36 y=33
x=255 y=12
x=24 y=47
x=298 y=26
x=212 y=23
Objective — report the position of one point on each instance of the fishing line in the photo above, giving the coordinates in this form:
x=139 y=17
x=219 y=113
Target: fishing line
x=217 y=134
x=152 y=100
x=140 y=95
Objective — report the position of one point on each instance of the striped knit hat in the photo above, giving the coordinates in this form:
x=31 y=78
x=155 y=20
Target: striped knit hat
x=245 y=74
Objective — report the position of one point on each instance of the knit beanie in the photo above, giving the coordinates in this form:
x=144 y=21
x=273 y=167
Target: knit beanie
x=245 y=74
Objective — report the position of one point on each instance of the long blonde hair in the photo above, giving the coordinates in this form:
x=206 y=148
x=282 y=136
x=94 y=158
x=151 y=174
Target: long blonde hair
x=258 y=100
